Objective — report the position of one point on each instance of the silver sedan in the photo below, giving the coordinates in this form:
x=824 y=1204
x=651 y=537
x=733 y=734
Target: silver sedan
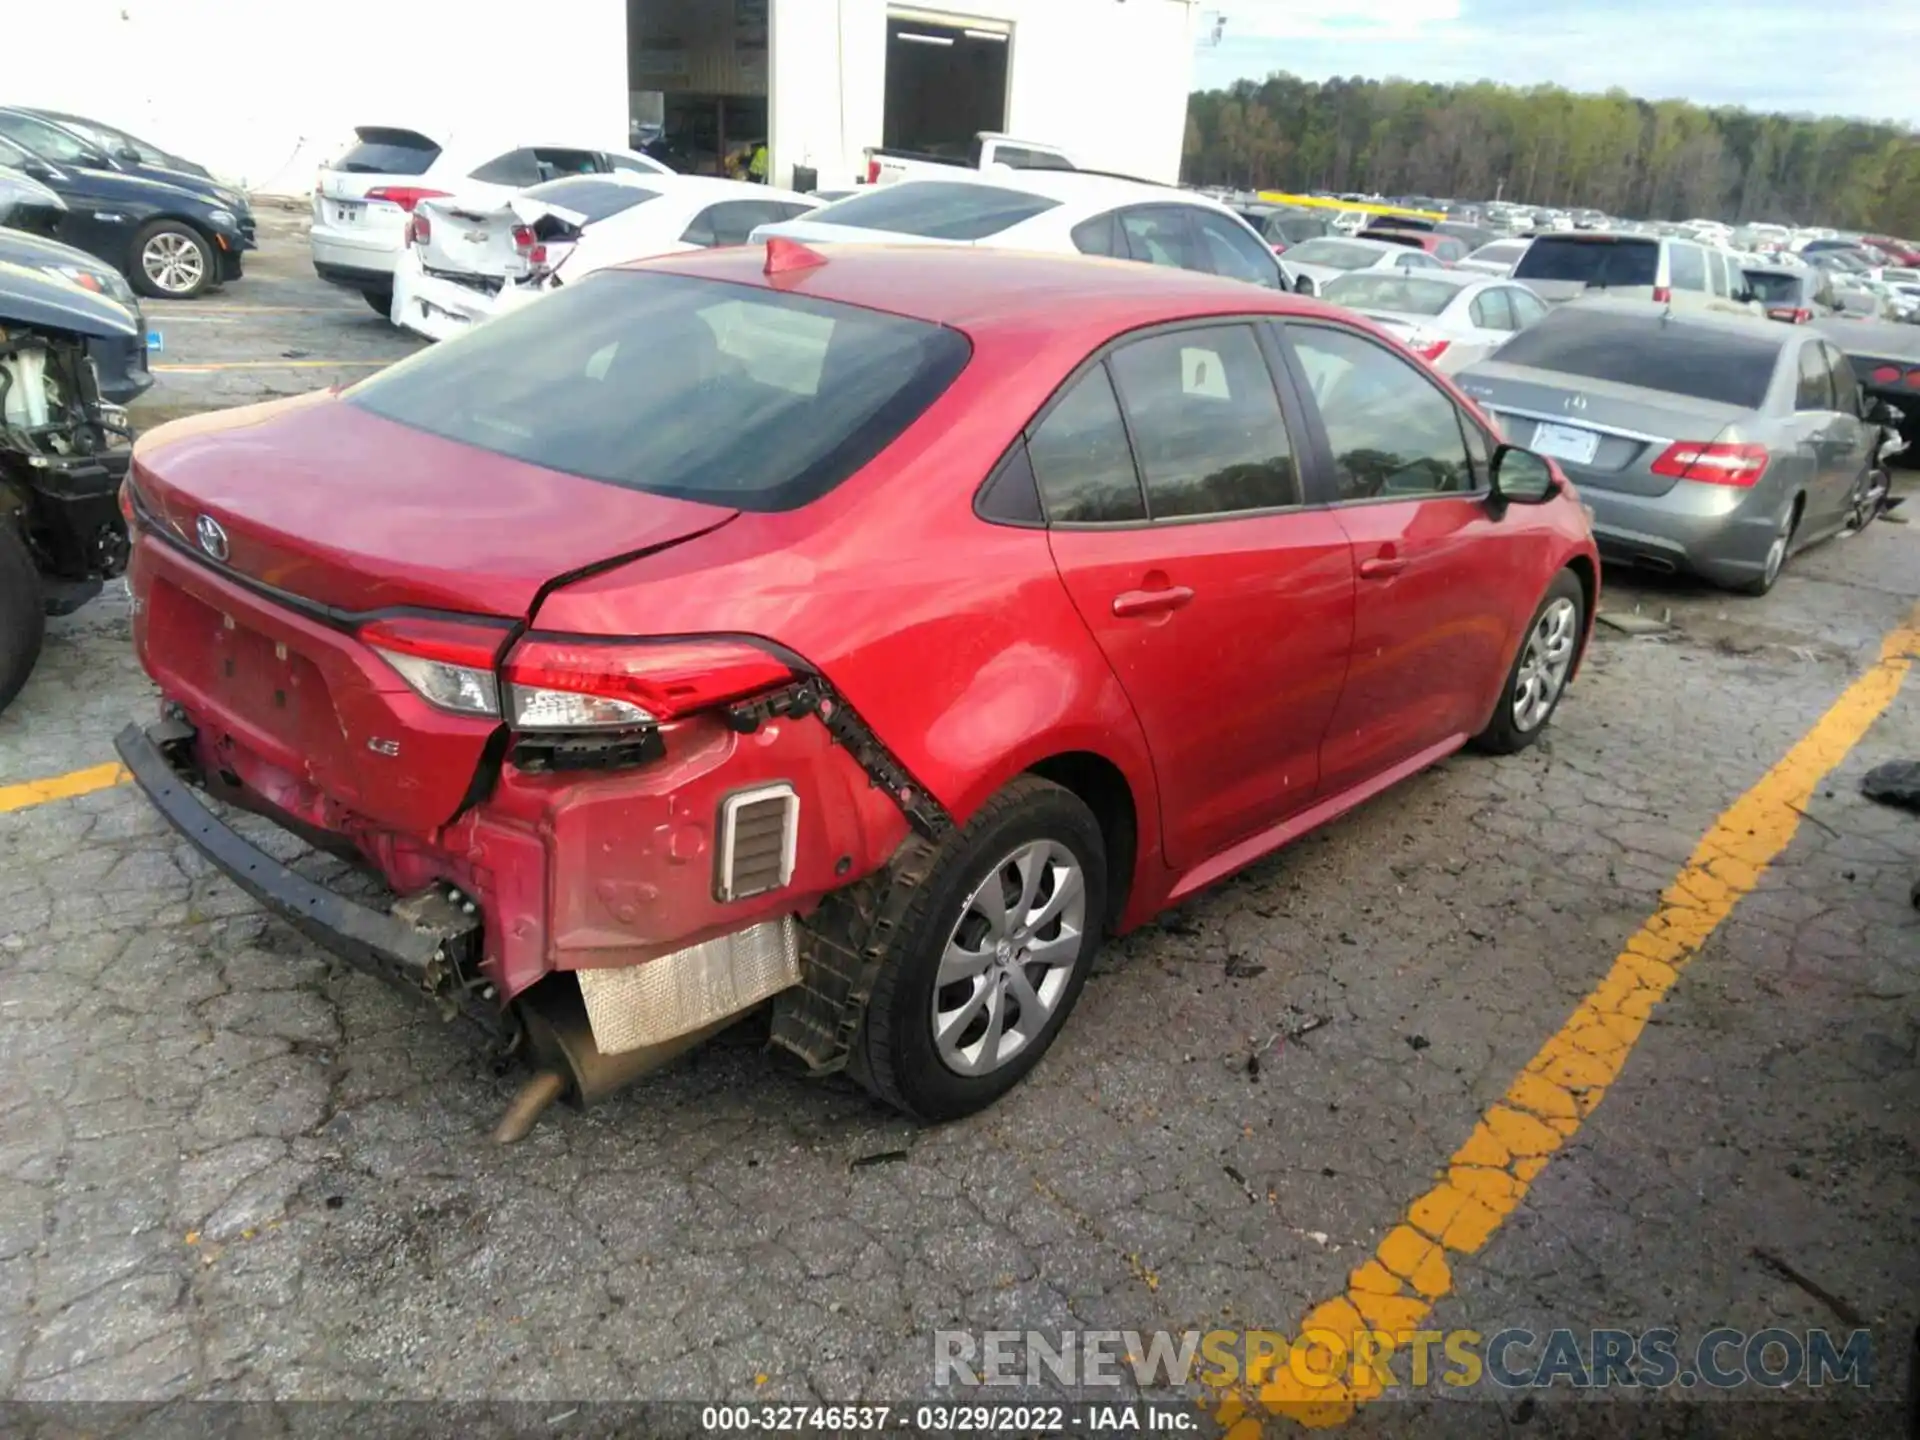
x=1447 y=318
x=1701 y=443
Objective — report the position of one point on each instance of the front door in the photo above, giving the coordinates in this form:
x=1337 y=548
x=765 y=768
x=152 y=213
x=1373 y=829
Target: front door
x=1224 y=608
x=1433 y=633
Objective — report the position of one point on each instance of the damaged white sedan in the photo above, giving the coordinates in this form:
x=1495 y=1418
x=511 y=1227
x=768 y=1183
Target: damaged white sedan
x=465 y=262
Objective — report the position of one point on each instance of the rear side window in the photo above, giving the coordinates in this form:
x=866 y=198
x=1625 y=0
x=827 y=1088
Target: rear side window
x=1846 y=385
x=595 y=199
x=1158 y=235
x=1705 y=362
x=1591 y=262
x=518 y=168
x=384 y=151
x=1100 y=236
x=1491 y=311
x=1814 y=390
x=1689 y=264
x=937 y=209
x=1081 y=458
x=681 y=387
x=1206 y=423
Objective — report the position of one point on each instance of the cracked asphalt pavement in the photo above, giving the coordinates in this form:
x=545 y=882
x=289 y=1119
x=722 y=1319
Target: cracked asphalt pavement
x=232 y=1168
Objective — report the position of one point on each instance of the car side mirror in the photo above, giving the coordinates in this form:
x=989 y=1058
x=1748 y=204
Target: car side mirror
x=130 y=155
x=1520 y=477
x=96 y=160
x=1304 y=285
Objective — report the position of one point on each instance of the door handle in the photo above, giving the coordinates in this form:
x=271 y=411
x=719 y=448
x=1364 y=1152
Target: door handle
x=1151 y=602
x=1381 y=567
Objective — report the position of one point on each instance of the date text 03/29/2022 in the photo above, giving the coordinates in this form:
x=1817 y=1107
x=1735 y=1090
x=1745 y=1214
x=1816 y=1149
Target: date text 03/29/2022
x=946 y=1418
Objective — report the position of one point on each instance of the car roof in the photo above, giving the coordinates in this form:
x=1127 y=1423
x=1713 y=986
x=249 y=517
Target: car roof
x=980 y=289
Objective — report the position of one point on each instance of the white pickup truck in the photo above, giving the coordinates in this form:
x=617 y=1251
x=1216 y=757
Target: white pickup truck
x=986 y=151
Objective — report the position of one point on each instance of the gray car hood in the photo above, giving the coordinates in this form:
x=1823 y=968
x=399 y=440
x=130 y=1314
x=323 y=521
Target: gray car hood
x=32 y=297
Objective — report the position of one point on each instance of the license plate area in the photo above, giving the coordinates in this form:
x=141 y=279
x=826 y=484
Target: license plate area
x=1565 y=442
x=348 y=212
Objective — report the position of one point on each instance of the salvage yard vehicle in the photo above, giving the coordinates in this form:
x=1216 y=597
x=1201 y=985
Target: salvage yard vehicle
x=119 y=145
x=1320 y=262
x=63 y=455
x=170 y=242
x=1682 y=274
x=64 y=142
x=1062 y=212
x=363 y=200
x=1449 y=319
x=119 y=360
x=1702 y=443
x=987 y=151
x=867 y=630
x=465 y=261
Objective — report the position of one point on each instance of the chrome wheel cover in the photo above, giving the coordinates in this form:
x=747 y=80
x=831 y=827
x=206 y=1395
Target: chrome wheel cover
x=173 y=262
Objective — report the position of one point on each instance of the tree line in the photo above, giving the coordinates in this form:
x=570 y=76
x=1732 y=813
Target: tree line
x=1653 y=160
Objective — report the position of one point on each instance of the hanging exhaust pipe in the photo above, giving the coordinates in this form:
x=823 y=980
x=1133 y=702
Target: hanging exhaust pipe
x=567 y=1065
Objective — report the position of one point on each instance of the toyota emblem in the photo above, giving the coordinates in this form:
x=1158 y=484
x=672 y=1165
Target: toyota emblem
x=213 y=538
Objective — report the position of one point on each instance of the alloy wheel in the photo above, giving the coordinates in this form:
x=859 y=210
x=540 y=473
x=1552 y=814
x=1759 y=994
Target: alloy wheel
x=1545 y=664
x=1009 y=958
x=173 y=262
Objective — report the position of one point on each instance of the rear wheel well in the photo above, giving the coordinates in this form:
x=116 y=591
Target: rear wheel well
x=1584 y=572
x=1101 y=787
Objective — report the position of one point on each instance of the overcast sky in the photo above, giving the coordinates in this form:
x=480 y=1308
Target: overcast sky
x=1859 y=58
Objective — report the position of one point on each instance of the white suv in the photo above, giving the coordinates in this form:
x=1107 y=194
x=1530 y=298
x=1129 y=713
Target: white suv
x=362 y=200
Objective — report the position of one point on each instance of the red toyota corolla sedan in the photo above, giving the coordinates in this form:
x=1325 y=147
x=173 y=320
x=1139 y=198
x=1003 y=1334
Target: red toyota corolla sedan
x=865 y=631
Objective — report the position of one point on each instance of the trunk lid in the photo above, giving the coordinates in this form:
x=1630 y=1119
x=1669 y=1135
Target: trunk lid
x=1626 y=426
x=345 y=509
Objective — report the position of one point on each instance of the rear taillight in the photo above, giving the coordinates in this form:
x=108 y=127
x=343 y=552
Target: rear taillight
x=528 y=247
x=873 y=171
x=405 y=196
x=1431 y=350
x=447 y=663
x=1884 y=375
x=419 y=229
x=1662 y=295
x=1790 y=315
x=1913 y=378
x=554 y=683
x=1740 y=465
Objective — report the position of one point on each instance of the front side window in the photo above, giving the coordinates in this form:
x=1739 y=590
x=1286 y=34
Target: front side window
x=1490 y=311
x=1206 y=423
x=518 y=168
x=681 y=387
x=1393 y=433
x=1081 y=458
x=1234 y=251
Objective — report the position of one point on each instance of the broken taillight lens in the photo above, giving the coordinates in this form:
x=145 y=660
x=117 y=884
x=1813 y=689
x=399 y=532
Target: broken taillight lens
x=447 y=663
x=419 y=229
x=556 y=683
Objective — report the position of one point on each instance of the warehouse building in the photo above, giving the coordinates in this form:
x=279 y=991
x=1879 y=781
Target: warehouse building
x=263 y=91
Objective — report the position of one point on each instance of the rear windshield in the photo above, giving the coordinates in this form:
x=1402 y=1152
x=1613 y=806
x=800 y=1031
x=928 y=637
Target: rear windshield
x=937 y=209
x=675 y=386
x=1703 y=362
x=1592 y=262
x=1333 y=254
x=594 y=198
x=1770 y=287
x=381 y=151
x=1390 y=292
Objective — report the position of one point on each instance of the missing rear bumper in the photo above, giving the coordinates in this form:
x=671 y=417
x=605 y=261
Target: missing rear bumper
x=427 y=944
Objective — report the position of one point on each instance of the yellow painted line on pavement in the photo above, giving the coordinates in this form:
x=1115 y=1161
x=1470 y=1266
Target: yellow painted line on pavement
x=266 y=365
x=62 y=787
x=1391 y=1295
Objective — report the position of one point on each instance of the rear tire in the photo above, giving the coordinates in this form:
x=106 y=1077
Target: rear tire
x=1538 y=677
x=23 y=616
x=1777 y=554
x=1006 y=987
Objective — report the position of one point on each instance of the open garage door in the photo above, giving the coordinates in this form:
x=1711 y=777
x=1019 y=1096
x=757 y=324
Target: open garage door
x=946 y=81
x=697 y=82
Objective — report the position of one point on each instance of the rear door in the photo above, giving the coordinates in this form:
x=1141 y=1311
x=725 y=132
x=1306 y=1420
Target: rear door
x=1437 y=601
x=1174 y=500
x=1856 y=454
x=1827 y=437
